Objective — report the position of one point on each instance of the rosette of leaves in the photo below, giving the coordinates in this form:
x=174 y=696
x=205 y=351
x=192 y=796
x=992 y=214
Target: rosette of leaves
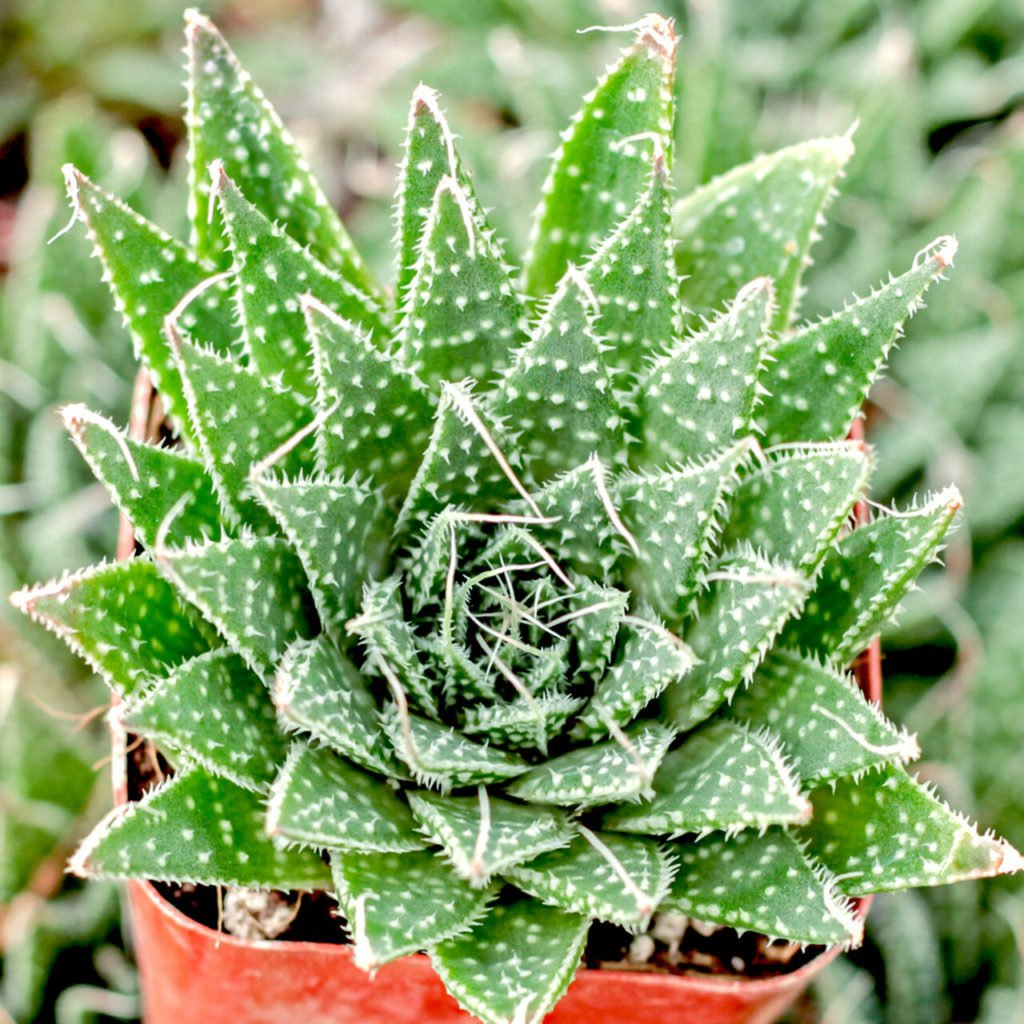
x=497 y=604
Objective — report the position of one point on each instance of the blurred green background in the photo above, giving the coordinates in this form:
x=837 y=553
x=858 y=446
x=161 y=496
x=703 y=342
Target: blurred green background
x=936 y=88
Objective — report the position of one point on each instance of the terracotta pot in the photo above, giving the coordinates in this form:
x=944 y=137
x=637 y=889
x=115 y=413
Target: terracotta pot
x=191 y=974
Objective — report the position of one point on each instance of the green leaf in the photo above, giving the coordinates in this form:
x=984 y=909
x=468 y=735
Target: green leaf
x=863 y=580
x=240 y=420
x=318 y=691
x=794 y=505
x=887 y=831
x=147 y=482
x=515 y=964
x=610 y=877
x=340 y=531
x=252 y=590
x=460 y=466
x=674 y=517
x=376 y=415
x=827 y=726
x=581 y=528
x=783 y=194
x=271 y=272
x=559 y=394
x=633 y=276
x=392 y=649
x=601 y=166
x=763 y=882
x=649 y=660
x=429 y=157
x=125 y=621
x=820 y=376
x=748 y=602
x=200 y=829
x=215 y=711
x=319 y=799
x=402 y=903
x=701 y=392
x=442 y=758
x=229 y=119
x=521 y=724
x=723 y=778
x=483 y=835
x=463 y=316
x=149 y=273
x=598 y=612
x=615 y=770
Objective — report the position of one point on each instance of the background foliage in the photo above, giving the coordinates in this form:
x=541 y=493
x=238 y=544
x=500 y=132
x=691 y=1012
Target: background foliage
x=938 y=89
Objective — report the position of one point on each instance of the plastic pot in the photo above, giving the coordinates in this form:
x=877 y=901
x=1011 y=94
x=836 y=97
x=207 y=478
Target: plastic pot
x=191 y=974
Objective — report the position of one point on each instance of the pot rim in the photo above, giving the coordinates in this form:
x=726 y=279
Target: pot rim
x=691 y=981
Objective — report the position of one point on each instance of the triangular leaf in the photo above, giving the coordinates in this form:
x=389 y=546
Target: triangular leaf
x=483 y=835
x=271 y=272
x=633 y=276
x=123 y=619
x=376 y=415
x=521 y=724
x=461 y=466
x=229 y=119
x=392 y=649
x=863 y=580
x=339 y=529
x=321 y=800
x=610 y=877
x=317 y=690
x=827 y=726
x=240 y=420
x=149 y=273
x=442 y=758
x=609 y=772
x=748 y=602
x=429 y=156
x=463 y=316
x=600 y=168
x=215 y=711
x=887 y=831
x=795 y=503
x=820 y=376
x=674 y=516
x=580 y=525
x=763 y=882
x=251 y=589
x=700 y=394
x=596 y=614
x=558 y=392
x=723 y=778
x=374 y=891
x=200 y=829
x=783 y=194
x=649 y=660
x=515 y=964
x=147 y=482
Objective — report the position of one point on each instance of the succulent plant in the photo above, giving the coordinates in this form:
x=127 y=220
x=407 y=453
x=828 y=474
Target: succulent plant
x=502 y=605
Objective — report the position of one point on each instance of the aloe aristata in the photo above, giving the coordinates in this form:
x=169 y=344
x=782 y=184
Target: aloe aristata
x=514 y=602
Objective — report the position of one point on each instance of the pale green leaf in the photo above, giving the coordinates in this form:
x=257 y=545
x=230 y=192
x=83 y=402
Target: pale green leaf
x=723 y=778
x=402 y=903
x=757 y=220
x=319 y=799
x=200 y=829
